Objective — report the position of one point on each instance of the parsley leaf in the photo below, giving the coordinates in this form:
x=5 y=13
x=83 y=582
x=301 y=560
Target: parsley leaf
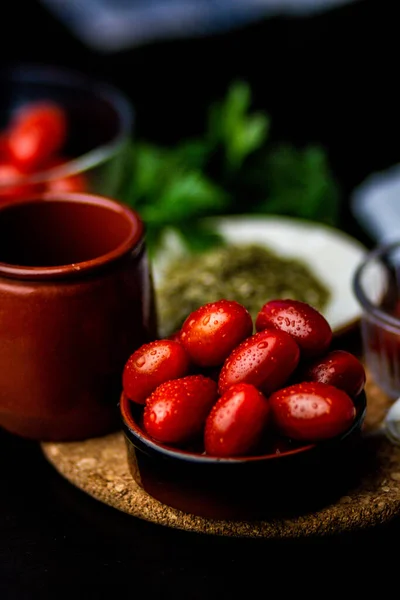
x=234 y=168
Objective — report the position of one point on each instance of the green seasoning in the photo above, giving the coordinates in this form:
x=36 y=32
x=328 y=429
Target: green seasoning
x=250 y=274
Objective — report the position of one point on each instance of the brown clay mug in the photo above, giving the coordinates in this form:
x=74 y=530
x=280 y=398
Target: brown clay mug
x=76 y=299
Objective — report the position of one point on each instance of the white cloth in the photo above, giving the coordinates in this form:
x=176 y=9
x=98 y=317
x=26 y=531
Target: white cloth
x=114 y=25
x=376 y=205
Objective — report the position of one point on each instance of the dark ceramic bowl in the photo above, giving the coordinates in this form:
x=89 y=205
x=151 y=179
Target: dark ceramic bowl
x=297 y=481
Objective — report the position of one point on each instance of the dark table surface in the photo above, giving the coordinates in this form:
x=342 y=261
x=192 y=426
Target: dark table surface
x=332 y=79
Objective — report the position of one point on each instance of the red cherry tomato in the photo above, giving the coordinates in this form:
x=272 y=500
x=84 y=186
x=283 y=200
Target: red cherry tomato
x=13 y=186
x=176 y=335
x=236 y=422
x=339 y=368
x=266 y=359
x=152 y=364
x=176 y=411
x=73 y=183
x=212 y=331
x=36 y=132
x=311 y=411
x=304 y=323
x=69 y=183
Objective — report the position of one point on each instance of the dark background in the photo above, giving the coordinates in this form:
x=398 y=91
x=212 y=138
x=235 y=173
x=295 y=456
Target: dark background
x=330 y=79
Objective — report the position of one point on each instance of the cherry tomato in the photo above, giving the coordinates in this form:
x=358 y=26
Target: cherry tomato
x=236 y=422
x=152 y=364
x=304 y=323
x=36 y=132
x=69 y=183
x=311 y=411
x=177 y=409
x=12 y=184
x=339 y=368
x=73 y=183
x=266 y=359
x=212 y=331
x=175 y=335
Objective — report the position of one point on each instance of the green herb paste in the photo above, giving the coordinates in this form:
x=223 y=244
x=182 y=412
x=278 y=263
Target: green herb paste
x=250 y=274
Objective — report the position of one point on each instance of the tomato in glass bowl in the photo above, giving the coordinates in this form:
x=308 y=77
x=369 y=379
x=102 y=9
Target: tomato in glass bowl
x=60 y=131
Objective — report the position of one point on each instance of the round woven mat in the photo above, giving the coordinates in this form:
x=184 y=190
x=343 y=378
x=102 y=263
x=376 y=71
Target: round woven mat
x=99 y=467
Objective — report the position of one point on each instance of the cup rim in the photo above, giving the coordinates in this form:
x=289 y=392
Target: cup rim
x=375 y=313
x=133 y=243
x=71 y=78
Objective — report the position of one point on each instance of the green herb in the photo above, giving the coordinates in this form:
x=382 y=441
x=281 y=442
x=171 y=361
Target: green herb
x=299 y=183
x=234 y=168
x=233 y=128
x=248 y=273
x=169 y=194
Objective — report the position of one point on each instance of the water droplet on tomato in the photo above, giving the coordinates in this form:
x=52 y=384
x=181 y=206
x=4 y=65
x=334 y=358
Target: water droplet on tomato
x=141 y=362
x=206 y=320
x=262 y=345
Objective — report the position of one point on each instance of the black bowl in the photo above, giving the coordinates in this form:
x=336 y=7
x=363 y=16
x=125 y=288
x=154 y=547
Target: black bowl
x=293 y=482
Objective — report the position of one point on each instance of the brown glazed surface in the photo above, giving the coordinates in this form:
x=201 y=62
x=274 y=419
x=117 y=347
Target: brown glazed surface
x=76 y=298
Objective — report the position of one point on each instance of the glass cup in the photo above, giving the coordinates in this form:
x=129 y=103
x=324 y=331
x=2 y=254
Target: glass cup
x=376 y=286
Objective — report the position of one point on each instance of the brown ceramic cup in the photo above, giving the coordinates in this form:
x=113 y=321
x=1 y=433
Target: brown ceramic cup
x=76 y=299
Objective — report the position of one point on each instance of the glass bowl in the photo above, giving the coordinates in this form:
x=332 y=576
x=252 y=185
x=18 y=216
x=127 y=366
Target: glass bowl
x=99 y=127
x=376 y=286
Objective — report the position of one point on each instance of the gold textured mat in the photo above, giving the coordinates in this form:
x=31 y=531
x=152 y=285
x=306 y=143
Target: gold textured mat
x=99 y=467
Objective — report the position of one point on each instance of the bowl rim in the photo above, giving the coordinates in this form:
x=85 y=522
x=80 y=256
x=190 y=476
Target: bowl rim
x=72 y=78
x=134 y=241
x=138 y=437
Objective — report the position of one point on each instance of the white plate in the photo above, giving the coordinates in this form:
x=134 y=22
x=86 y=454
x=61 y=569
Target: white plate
x=329 y=253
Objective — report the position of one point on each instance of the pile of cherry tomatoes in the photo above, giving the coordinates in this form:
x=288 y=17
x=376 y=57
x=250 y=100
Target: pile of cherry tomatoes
x=32 y=143
x=243 y=388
